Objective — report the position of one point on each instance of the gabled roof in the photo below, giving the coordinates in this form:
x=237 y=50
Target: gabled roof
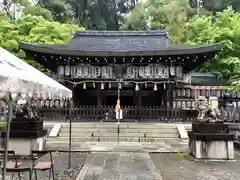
x=121 y=43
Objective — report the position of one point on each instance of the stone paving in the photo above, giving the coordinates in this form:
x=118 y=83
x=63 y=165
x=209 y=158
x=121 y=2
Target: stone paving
x=175 y=145
x=156 y=166
x=60 y=167
x=119 y=166
x=176 y=166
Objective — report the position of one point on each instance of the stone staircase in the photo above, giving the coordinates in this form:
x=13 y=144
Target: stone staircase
x=108 y=132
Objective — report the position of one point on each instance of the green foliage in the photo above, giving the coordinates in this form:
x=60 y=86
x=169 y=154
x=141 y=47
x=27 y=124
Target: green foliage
x=3 y=16
x=60 y=10
x=223 y=28
x=36 y=10
x=92 y=14
x=3 y=127
x=137 y=19
x=36 y=65
x=160 y=14
x=33 y=29
x=217 y=5
x=187 y=27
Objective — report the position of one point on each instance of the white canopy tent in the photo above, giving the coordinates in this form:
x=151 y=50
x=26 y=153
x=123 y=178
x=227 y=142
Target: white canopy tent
x=16 y=76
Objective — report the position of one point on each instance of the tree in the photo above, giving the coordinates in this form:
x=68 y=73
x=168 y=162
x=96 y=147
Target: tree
x=217 y=5
x=60 y=10
x=37 y=10
x=160 y=14
x=223 y=28
x=96 y=14
x=92 y=14
x=33 y=29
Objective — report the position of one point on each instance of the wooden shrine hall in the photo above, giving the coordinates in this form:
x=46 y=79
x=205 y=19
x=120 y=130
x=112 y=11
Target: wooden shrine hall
x=144 y=65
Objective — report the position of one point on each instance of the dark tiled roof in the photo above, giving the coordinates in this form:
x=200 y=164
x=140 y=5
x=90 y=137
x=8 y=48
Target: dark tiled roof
x=132 y=43
x=119 y=40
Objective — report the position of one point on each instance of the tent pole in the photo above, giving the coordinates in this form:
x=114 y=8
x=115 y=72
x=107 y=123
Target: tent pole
x=9 y=119
x=70 y=135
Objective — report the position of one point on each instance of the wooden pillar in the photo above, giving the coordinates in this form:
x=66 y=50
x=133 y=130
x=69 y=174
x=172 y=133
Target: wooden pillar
x=165 y=95
x=160 y=95
x=139 y=97
x=99 y=95
x=139 y=102
x=170 y=96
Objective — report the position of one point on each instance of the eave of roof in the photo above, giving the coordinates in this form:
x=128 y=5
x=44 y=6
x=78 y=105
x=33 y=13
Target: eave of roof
x=173 y=50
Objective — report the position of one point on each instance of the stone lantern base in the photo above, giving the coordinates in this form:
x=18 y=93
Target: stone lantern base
x=26 y=134
x=211 y=141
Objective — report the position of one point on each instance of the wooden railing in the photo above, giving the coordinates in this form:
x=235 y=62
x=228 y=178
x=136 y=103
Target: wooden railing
x=130 y=113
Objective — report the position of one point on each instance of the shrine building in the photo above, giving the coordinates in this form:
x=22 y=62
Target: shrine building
x=144 y=65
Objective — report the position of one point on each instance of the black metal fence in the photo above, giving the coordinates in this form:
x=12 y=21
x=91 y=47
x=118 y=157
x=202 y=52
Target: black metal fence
x=132 y=114
x=52 y=112
x=129 y=113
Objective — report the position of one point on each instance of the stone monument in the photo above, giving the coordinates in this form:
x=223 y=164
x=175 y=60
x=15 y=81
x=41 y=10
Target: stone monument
x=26 y=129
x=210 y=138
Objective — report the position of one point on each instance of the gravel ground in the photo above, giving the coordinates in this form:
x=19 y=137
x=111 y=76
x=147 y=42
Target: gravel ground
x=60 y=167
x=183 y=167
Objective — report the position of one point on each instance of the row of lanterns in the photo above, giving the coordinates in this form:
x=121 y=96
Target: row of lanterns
x=155 y=87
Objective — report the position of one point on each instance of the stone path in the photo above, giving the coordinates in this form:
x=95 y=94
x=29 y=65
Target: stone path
x=119 y=166
x=175 y=166
x=164 y=146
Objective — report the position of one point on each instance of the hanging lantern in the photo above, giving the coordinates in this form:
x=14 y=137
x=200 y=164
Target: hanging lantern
x=94 y=85
x=102 y=86
x=60 y=71
x=164 y=86
x=109 y=85
x=155 y=87
x=67 y=70
x=84 y=85
x=120 y=86
x=136 y=87
x=145 y=85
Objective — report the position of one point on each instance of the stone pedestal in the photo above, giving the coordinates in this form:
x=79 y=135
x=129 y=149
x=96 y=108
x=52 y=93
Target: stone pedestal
x=211 y=141
x=26 y=135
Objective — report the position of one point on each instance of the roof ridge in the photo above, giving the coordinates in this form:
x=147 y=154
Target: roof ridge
x=122 y=33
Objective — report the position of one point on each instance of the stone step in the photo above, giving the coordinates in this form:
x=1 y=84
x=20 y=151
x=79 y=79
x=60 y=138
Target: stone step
x=156 y=135
x=151 y=126
x=174 y=130
x=91 y=125
x=75 y=139
x=106 y=139
x=122 y=125
x=74 y=129
x=95 y=134
x=76 y=134
x=102 y=134
x=90 y=130
x=157 y=139
x=110 y=138
x=98 y=134
x=124 y=130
